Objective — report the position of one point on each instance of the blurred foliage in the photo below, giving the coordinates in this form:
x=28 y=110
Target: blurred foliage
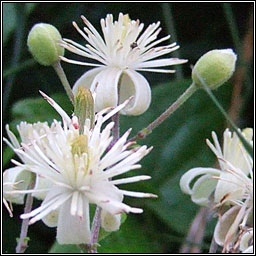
x=179 y=143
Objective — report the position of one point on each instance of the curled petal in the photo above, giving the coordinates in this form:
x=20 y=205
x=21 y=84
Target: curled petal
x=16 y=178
x=244 y=243
x=202 y=190
x=187 y=178
x=224 y=224
x=134 y=84
x=86 y=79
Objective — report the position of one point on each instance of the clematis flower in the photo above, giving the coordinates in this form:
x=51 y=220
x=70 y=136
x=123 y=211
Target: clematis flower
x=229 y=183
x=81 y=171
x=121 y=52
x=232 y=186
x=17 y=179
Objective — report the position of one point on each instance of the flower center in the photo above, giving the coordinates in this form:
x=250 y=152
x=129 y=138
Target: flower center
x=79 y=145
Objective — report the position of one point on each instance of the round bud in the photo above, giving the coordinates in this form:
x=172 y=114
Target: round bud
x=43 y=44
x=110 y=222
x=214 y=68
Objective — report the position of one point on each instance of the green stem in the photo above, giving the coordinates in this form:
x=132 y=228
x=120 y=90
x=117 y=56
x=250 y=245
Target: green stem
x=171 y=109
x=246 y=144
x=62 y=76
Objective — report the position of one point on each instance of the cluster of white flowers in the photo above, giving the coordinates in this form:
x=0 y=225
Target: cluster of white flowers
x=70 y=168
x=73 y=170
x=232 y=186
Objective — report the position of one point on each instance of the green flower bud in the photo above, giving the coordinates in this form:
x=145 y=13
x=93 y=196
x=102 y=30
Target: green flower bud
x=214 y=68
x=43 y=44
x=84 y=107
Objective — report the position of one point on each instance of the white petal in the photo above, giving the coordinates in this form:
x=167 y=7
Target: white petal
x=203 y=189
x=86 y=79
x=245 y=241
x=134 y=84
x=51 y=220
x=15 y=178
x=41 y=183
x=106 y=87
x=187 y=178
x=224 y=225
x=73 y=229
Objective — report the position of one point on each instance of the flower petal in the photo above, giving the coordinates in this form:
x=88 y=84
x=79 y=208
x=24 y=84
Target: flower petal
x=73 y=229
x=15 y=178
x=86 y=79
x=224 y=224
x=202 y=190
x=134 y=84
x=187 y=178
x=244 y=243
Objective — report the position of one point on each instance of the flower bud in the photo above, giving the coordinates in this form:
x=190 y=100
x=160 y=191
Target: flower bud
x=43 y=44
x=214 y=68
x=110 y=222
x=84 y=107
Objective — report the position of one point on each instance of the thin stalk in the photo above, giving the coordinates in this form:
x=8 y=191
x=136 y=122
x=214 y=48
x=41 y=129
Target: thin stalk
x=246 y=144
x=62 y=76
x=170 y=26
x=95 y=230
x=170 y=110
x=23 y=239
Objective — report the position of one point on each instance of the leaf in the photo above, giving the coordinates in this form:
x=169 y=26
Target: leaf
x=9 y=18
x=131 y=238
x=38 y=109
x=65 y=248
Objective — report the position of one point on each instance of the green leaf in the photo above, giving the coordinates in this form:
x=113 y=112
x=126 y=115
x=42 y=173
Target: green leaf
x=38 y=109
x=9 y=18
x=66 y=248
x=131 y=238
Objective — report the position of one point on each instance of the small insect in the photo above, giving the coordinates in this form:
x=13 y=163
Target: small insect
x=133 y=45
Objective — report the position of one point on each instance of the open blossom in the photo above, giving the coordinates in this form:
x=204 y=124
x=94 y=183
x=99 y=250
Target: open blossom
x=81 y=171
x=16 y=179
x=122 y=51
x=232 y=186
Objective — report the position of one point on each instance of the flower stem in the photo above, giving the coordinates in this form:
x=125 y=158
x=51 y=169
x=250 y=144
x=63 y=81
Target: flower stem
x=62 y=76
x=22 y=241
x=172 y=108
x=95 y=230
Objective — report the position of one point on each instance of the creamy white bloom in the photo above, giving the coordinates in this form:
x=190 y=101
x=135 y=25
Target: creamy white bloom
x=121 y=52
x=81 y=170
x=17 y=179
x=232 y=185
x=232 y=182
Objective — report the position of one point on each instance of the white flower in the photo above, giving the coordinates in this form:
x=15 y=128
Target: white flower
x=232 y=186
x=122 y=51
x=232 y=183
x=81 y=170
x=17 y=179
